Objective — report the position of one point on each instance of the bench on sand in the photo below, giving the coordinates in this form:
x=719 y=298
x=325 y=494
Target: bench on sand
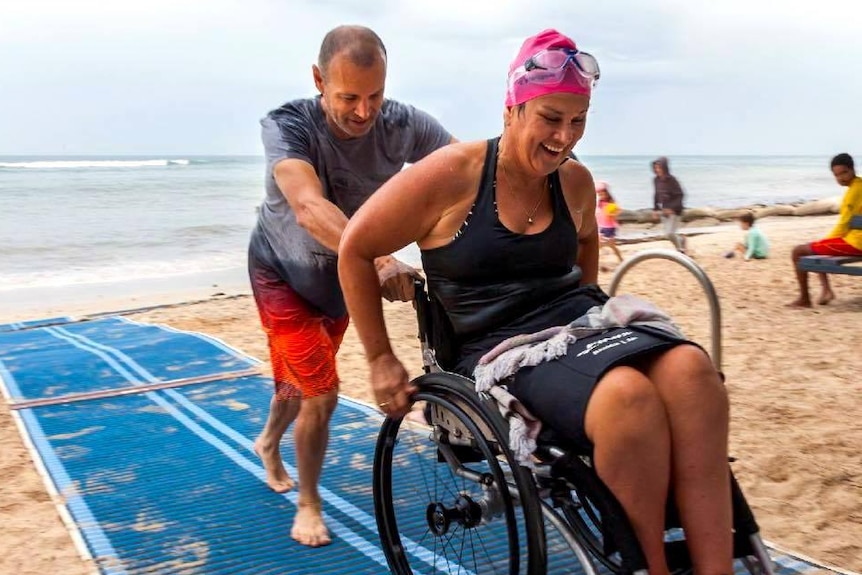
x=834 y=264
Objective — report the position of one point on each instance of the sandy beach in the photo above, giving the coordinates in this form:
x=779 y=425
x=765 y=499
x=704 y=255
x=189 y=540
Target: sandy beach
x=793 y=378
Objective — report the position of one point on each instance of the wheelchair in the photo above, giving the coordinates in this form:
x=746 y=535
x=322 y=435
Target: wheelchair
x=450 y=497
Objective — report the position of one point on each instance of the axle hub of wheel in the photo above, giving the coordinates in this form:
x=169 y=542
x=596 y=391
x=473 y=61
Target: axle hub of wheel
x=464 y=512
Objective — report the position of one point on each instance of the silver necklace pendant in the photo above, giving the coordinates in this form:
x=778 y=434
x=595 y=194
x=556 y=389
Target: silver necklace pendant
x=529 y=214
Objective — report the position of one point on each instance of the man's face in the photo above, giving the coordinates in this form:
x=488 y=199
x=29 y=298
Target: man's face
x=351 y=94
x=843 y=175
x=659 y=170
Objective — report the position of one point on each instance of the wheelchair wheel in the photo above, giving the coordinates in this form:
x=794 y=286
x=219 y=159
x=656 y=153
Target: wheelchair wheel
x=449 y=496
x=598 y=522
x=566 y=555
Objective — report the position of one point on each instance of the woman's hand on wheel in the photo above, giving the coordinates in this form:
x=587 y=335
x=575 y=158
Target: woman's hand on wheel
x=391 y=385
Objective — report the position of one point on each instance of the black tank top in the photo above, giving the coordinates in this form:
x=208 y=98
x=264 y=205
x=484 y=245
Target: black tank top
x=488 y=276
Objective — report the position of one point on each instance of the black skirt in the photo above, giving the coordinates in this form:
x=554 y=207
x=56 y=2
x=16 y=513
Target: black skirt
x=557 y=391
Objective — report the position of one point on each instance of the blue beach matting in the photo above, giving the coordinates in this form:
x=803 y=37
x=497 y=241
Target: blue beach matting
x=144 y=435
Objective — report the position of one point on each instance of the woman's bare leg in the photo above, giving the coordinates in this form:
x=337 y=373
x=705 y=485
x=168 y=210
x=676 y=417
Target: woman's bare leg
x=626 y=422
x=697 y=408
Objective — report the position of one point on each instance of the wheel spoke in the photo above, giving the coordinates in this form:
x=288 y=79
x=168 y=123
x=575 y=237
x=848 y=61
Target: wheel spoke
x=457 y=515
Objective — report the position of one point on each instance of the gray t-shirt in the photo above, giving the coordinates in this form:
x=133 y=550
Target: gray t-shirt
x=349 y=172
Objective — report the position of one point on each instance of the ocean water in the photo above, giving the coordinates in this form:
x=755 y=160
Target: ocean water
x=71 y=221
x=75 y=221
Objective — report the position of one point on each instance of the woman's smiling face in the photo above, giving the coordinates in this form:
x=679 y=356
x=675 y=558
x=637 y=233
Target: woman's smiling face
x=547 y=128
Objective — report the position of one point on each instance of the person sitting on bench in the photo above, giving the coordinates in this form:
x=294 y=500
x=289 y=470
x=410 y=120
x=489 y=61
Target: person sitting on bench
x=841 y=241
x=509 y=244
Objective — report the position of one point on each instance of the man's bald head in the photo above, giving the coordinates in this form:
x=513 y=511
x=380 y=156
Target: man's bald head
x=360 y=45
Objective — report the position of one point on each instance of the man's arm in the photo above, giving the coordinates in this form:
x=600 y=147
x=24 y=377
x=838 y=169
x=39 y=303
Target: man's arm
x=326 y=222
x=301 y=188
x=289 y=145
x=851 y=205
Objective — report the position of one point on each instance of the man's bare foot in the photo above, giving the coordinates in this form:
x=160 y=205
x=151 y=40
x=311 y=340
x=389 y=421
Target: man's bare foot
x=277 y=477
x=826 y=297
x=308 y=526
x=800 y=302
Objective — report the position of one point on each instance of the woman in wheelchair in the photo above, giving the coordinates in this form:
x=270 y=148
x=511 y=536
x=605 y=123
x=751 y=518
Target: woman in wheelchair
x=509 y=244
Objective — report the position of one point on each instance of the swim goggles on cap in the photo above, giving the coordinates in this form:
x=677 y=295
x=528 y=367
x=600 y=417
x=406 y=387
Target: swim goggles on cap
x=549 y=66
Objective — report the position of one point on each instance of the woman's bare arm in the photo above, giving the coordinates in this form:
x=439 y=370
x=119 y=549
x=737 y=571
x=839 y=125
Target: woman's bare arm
x=408 y=208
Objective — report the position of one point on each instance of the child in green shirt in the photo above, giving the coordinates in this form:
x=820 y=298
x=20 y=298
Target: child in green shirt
x=754 y=244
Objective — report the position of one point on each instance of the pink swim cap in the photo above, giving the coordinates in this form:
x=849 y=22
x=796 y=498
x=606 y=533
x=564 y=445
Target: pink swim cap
x=521 y=88
x=602 y=185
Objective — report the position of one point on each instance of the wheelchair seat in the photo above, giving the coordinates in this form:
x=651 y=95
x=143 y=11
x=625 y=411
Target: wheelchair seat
x=450 y=496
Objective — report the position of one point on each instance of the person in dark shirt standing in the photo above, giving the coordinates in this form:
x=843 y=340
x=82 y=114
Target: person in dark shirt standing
x=324 y=157
x=668 y=202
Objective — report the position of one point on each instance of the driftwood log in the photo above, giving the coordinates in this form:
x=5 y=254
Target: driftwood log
x=813 y=208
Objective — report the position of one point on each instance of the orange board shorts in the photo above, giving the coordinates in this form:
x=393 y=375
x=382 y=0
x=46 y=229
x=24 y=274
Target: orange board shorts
x=834 y=247
x=302 y=341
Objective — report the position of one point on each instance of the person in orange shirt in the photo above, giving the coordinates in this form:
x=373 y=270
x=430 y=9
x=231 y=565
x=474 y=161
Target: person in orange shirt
x=841 y=241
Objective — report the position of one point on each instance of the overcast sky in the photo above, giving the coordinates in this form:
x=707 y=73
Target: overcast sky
x=194 y=76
